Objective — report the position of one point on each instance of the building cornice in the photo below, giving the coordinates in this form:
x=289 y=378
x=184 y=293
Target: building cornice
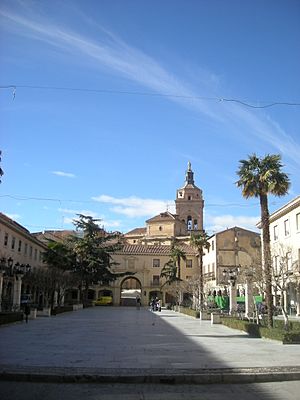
x=287 y=208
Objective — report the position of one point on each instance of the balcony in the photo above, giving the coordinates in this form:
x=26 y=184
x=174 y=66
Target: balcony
x=209 y=276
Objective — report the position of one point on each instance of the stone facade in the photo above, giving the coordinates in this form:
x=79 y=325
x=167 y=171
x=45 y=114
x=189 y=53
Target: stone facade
x=232 y=249
x=19 y=252
x=147 y=261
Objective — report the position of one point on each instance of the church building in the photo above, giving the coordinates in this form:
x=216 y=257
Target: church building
x=148 y=249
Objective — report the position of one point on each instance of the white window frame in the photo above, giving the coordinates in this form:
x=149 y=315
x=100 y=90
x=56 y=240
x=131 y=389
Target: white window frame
x=286 y=224
x=154 y=262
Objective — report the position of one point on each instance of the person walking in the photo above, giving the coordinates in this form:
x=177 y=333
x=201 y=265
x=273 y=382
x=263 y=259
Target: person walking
x=26 y=312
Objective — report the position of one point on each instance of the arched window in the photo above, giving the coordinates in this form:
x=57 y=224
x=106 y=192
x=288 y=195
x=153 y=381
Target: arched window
x=189 y=223
x=195 y=225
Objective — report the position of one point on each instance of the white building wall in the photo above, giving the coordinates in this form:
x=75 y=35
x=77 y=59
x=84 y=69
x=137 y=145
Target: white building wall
x=285 y=229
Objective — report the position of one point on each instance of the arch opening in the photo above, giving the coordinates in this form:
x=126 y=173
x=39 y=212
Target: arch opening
x=131 y=288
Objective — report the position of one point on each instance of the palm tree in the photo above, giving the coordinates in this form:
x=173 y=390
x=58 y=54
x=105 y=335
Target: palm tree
x=177 y=254
x=201 y=243
x=259 y=177
x=171 y=270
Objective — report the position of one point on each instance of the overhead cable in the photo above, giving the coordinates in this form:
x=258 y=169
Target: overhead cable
x=259 y=104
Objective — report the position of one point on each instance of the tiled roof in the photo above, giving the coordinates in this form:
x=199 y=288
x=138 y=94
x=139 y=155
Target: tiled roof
x=139 y=249
x=137 y=231
x=165 y=216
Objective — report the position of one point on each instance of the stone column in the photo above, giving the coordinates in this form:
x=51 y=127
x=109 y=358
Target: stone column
x=249 y=303
x=17 y=292
x=232 y=299
x=55 y=298
x=298 y=300
x=1 y=286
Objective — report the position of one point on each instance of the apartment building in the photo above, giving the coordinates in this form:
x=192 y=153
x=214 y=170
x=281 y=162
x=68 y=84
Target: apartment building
x=20 y=252
x=285 y=250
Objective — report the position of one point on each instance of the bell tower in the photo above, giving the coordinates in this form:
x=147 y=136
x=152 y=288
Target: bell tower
x=189 y=203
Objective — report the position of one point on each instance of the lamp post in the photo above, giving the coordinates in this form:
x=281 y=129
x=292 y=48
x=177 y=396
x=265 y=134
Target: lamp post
x=10 y=263
x=249 y=303
x=231 y=275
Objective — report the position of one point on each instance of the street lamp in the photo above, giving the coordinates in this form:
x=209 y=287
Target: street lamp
x=10 y=262
x=231 y=275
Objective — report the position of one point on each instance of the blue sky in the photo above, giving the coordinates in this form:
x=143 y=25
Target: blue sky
x=113 y=98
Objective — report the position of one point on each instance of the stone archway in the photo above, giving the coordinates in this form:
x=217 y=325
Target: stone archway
x=130 y=288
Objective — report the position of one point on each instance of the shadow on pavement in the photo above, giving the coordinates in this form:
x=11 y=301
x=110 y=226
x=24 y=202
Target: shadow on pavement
x=126 y=345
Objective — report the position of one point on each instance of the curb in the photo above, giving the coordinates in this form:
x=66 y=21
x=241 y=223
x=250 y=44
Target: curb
x=160 y=376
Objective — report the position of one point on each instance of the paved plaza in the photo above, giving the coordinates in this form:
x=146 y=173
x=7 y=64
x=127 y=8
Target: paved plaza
x=114 y=344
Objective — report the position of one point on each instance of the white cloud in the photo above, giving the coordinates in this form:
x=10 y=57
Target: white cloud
x=103 y=221
x=222 y=222
x=75 y=212
x=136 y=207
x=65 y=174
x=116 y=56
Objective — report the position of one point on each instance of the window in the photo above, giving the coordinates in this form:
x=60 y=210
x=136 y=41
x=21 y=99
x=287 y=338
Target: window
x=160 y=228
x=156 y=262
x=25 y=248
x=35 y=254
x=20 y=245
x=5 y=239
x=275 y=232
x=213 y=245
x=189 y=263
x=298 y=221
x=286 y=227
x=189 y=223
x=30 y=251
x=130 y=263
x=13 y=243
x=155 y=280
x=195 y=224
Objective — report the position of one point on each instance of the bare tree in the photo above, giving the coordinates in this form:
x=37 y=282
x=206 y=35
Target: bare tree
x=285 y=271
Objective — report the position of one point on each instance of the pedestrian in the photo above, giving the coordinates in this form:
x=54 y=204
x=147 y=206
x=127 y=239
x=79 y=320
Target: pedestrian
x=26 y=312
x=153 y=304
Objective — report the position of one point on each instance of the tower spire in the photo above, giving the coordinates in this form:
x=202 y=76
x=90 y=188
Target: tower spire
x=189 y=176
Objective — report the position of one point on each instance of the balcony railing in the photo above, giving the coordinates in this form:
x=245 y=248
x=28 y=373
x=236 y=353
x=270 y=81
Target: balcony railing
x=209 y=276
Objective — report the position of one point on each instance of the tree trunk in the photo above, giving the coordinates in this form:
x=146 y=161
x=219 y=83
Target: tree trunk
x=284 y=313
x=267 y=266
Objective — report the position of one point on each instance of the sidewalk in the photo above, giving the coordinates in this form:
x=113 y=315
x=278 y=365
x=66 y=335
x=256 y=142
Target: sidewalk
x=128 y=345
